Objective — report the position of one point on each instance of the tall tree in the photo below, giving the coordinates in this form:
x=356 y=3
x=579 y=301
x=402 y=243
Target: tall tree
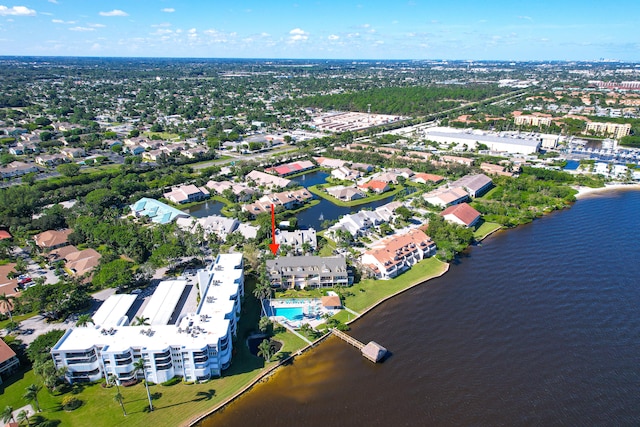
x=23 y=416
x=139 y=366
x=84 y=319
x=32 y=395
x=118 y=398
x=264 y=350
x=6 y=302
x=7 y=414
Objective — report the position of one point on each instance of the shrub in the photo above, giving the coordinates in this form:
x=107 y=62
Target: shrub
x=172 y=381
x=69 y=403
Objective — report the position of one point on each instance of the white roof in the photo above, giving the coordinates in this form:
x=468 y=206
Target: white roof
x=113 y=309
x=164 y=301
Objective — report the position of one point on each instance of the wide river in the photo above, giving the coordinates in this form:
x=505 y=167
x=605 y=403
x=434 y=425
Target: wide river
x=538 y=326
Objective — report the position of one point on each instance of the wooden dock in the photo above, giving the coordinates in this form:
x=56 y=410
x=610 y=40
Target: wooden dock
x=372 y=351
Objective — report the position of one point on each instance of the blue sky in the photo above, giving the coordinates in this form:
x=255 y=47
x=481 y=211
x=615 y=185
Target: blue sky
x=341 y=29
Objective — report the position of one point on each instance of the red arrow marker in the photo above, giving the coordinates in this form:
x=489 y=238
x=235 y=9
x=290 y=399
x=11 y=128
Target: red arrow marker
x=273 y=246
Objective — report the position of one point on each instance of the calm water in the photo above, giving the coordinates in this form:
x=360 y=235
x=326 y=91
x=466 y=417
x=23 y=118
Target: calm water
x=205 y=209
x=538 y=326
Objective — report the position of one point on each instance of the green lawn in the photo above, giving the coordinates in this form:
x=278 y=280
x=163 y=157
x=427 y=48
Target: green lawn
x=318 y=191
x=368 y=292
x=485 y=229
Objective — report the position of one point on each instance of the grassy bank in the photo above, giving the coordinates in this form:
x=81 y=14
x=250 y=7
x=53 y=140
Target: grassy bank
x=318 y=190
x=369 y=292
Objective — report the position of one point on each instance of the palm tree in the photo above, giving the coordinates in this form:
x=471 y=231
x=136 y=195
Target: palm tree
x=23 y=416
x=6 y=301
x=118 y=398
x=139 y=366
x=7 y=414
x=141 y=321
x=264 y=350
x=32 y=395
x=84 y=319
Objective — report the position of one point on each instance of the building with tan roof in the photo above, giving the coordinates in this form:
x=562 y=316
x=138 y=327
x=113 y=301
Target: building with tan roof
x=8 y=286
x=476 y=185
x=462 y=214
x=8 y=360
x=446 y=196
x=52 y=239
x=82 y=262
x=187 y=194
x=396 y=254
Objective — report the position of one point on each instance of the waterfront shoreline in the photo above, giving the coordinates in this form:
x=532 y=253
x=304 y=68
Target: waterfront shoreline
x=263 y=375
x=589 y=191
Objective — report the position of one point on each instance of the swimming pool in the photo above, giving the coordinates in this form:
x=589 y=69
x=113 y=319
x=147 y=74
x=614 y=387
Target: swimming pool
x=290 y=313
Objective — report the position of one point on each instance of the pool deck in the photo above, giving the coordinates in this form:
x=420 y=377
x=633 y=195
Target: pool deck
x=312 y=305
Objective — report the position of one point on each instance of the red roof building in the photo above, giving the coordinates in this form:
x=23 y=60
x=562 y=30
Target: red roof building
x=462 y=214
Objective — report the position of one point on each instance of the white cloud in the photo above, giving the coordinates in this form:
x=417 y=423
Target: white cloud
x=164 y=24
x=114 y=12
x=60 y=21
x=97 y=25
x=298 y=35
x=53 y=1
x=16 y=11
x=81 y=29
x=168 y=10
x=192 y=31
x=333 y=37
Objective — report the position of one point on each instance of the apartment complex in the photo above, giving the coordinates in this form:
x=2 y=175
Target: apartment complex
x=308 y=271
x=616 y=130
x=396 y=254
x=195 y=346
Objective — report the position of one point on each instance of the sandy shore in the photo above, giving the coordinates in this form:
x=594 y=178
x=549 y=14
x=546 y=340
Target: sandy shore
x=586 y=191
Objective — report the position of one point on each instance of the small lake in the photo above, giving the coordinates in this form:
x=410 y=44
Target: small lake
x=208 y=208
x=311 y=217
x=312 y=178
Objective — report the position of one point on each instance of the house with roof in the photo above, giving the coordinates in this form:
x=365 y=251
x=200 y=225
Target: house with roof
x=73 y=153
x=52 y=239
x=286 y=199
x=297 y=238
x=463 y=214
x=346 y=194
x=291 y=168
x=8 y=286
x=363 y=167
x=396 y=254
x=241 y=190
x=17 y=168
x=357 y=224
x=267 y=180
x=375 y=186
x=9 y=362
x=345 y=173
x=327 y=162
x=426 y=178
x=51 y=159
x=476 y=184
x=300 y=272
x=446 y=196
x=214 y=224
x=187 y=194
x=159 y=212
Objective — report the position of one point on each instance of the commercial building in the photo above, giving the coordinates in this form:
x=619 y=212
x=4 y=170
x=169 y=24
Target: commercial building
x=195 y=346
x=505 y=143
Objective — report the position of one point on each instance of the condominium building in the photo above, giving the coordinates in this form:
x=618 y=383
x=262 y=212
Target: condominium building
x=309 y=271
x=396 y=254
x=616 y=130
x=195 y=346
